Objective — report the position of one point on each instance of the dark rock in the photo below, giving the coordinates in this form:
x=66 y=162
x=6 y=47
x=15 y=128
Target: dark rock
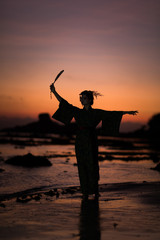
x=51 y=193
x=157 y=168
x=57 y=195
x=2 y=205
x=103 y=157
x=115 y=225
x=70 y=190
x=45 y=125
x=154 y=157
x=24 y=199
x=37 y=197
x=154 y=125
x=67 y=160
x=63 y=192
x=29 y=160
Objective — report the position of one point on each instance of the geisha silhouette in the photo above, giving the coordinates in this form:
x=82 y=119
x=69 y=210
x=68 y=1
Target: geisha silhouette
x=86 y=145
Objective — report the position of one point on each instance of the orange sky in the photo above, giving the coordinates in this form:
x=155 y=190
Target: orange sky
x=108 y=46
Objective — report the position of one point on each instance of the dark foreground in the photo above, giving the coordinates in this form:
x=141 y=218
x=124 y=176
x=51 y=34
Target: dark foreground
x=123 y=211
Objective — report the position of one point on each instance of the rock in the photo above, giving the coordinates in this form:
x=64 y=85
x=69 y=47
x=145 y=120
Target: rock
x=51 y=193
x=106 y=156
x=2 y=205
x=29 y=160
x=1 y=170
x=157 y=168
x=37 y=197
x=24 y=199
x=115 y=225
x=70 y=191
x=57 y=195
x=154 y=157
x=63 y=192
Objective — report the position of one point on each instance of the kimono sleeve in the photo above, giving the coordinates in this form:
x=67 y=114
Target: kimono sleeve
x=64 y=113
x=111 y=122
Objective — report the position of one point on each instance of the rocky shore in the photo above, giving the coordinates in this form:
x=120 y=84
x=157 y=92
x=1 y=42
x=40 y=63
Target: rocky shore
x=123 y=211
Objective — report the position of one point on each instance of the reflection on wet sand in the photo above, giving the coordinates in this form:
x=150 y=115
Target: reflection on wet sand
x=89 y=220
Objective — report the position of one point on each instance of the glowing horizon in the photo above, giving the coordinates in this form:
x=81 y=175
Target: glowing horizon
x=111 y=47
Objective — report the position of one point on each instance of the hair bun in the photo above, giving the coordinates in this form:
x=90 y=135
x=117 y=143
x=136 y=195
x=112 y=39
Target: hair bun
x=96 y=94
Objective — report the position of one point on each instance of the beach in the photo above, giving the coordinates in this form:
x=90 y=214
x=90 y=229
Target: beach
x=46 y=202
x=123 y=211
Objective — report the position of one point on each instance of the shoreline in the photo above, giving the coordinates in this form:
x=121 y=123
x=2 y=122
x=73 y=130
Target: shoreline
x=123 y=211
x=71 y=190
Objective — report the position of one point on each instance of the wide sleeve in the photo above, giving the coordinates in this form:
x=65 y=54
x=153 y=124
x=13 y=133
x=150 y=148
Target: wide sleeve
x=64 y=113
x=111 y=122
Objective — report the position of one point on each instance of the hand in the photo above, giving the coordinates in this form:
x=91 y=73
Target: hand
x=133 y=112
x=52 y=87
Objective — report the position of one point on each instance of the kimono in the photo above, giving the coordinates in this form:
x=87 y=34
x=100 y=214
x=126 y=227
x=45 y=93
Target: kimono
x=86 y=145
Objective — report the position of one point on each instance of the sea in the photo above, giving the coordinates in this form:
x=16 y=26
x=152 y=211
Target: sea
x=119 y=163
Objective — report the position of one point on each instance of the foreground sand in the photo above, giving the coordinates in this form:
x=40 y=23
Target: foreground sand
x=123 y=211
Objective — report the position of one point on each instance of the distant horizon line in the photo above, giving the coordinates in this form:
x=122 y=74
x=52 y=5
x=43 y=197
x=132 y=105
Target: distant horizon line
x=11 y=122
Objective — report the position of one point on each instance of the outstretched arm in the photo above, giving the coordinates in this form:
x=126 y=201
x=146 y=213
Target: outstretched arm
x=130 y=112
x=53 y=90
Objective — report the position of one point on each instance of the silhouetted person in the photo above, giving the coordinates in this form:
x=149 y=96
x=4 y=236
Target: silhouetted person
x=86 y=140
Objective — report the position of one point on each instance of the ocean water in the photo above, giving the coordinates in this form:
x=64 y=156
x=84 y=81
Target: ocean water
x=63 y=171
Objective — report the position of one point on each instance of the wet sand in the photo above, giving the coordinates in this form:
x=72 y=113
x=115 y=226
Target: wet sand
x=123 y=211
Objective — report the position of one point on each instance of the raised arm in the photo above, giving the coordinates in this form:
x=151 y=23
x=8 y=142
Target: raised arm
x=130 y=112
x=53 y=90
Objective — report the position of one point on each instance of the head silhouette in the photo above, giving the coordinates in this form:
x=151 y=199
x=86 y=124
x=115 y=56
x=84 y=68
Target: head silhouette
x=88 y=95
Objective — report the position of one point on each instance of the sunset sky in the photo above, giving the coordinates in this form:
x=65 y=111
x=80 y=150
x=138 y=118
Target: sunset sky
x=108 y=46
